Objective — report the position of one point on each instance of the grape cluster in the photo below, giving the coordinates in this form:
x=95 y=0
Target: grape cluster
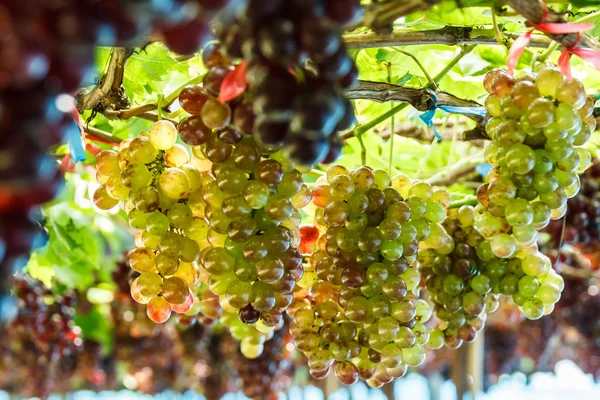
x=363 y=315
x=268 y=374
x=299 y=104
x=458 y=282
x=46 y=318
x=152 y=176
x=252 y=199
x=538 y=122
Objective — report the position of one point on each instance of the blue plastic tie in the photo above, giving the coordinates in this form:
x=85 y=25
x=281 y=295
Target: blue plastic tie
x=75 y=143
x=428 y=115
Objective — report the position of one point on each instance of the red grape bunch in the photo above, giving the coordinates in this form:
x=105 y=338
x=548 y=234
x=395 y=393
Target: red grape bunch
x=270 y=373
x=47 y=318
x=299 y=104
x=363 y=316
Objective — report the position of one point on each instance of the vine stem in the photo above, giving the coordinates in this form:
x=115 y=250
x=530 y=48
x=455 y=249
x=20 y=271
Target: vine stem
x=360 y=130
x=464 y=51
x=467 y=200
x=432 y=83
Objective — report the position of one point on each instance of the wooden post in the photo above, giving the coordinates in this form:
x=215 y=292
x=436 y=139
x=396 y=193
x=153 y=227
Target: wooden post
x=468 y=368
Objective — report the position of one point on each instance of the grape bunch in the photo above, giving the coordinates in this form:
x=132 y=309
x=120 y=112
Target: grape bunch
x=538 y=123
x=252 y=198
x=458 y=282
x=46 y=318
x=363 y=315
x=299 y=103
x=268 y=374
x=152 y=176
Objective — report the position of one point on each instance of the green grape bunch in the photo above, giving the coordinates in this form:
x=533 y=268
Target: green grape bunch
x=539 y=123
x=154 y=179
x=458 y=282
x=363 y=317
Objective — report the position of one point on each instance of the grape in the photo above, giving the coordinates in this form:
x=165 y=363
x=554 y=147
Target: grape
x=191 y=99
x=107 y=163
x=142 y=150
x=103 y=200
x=141 y=259
x=149 y=284
x=174 y=183
x=163 y=135
x=215 y=115
x=158 y=310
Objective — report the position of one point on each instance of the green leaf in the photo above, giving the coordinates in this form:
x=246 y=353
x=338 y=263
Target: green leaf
x=95 y=326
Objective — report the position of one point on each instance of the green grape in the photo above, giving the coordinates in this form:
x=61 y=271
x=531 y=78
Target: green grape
x=569 y=163
x=218 y=262
x=541 y=112
x=547 y=81
x=189 y=250
x=533 y=308
x=524 y=93
x=335 y=170
x=585 y=160
x=492 y=105
x=138 y=219
x=142 y=151
x=525 y=235
x=553 y=132
x=180 y=215
x=175 y=290
x=488 y=225
x=115 y=188
x=238 y=293
x=176 y=156
x=545 y=183
x=174 y=183
x=149 y=240
x=473 y=303
x=163 y=135
x=381 y=179
x=413 y=356
x=231 y=180
x=166 y=265
x=256 y=194
x=157 y=224
x=263 y=296
x=103 y=200
x=215 y=115
x=417 y=206
x=536 y=265
x=107 y=163
x=141 y=259
x=423 y=311
x=235 y=207
x=279 y=208
x=434 y=212
x=548 y=293
x=502 y=191
x=555 y=200
x=341 y=187
x=518 y=213
x=363 y=178
x=520 y=159
x=149 y=284
x=171 y=244
x=571 y=91
x=436 y=339
x=452 y=284
x=391 y=249
x=290 y=184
